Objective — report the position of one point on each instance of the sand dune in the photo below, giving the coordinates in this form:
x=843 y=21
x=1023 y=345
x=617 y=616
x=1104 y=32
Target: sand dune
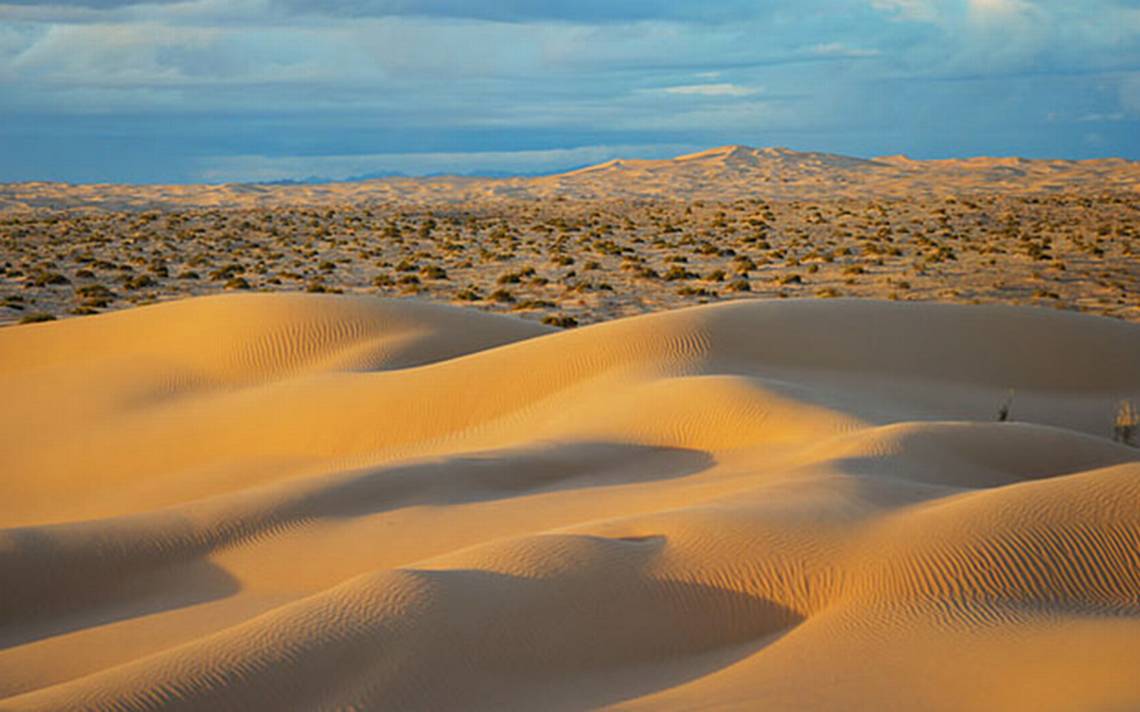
x=720 y=174
x=321 y=502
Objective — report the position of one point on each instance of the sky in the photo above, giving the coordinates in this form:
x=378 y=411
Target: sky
x=261 y=90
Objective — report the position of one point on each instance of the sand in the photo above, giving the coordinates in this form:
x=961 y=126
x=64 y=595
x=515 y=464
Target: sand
x=723 y=173
x=283 y=501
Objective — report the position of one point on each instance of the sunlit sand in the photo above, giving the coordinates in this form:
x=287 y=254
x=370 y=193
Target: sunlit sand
x=287 y=501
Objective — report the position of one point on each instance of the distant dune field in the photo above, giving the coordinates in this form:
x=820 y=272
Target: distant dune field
x=719 y=174
x=286 y=501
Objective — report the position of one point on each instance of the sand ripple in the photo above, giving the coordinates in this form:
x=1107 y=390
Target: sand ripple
x=317 y=502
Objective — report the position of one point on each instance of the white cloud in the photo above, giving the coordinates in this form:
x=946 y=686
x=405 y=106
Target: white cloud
x=721 y=89
x=998 y=10
x=109 y=54
x=916 y=10
x=838 y=49
x=952 y=71
x=1006 y=16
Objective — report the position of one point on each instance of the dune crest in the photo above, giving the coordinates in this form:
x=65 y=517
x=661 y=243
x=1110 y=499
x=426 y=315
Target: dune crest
x=320 y=502
x=723 y=173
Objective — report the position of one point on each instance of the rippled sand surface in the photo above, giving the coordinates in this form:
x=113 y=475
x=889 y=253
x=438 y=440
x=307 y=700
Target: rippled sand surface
x=272 y=501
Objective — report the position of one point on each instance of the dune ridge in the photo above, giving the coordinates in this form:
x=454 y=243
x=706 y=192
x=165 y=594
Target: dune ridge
x=719 y=174
x=322 y=502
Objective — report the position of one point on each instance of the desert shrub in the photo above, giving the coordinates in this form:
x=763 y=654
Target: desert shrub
x=515 y=277
x=1127 y=424
x=45 y=278
x=562 y=321
x=226 y=272
x=791 y=279
x=93 y=291
x=677 y=272
x=93 y=296
x=36 y=318
x=237 y=283
x=434 y=272
x=502 y=296
x=688 y=291
x=141 y=281
x=470 y=294
x=739 y=285
x=1006 y=408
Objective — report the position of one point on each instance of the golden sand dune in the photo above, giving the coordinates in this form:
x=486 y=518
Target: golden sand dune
x=720 y=174
x=320 y=502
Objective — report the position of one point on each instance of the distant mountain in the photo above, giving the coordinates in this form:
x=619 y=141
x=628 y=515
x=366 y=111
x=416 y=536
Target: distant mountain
x=723 y=173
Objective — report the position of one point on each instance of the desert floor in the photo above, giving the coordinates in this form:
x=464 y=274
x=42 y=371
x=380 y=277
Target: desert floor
x=316 y=501
x=571 y=262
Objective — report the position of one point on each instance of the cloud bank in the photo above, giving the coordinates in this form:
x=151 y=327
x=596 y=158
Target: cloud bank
x=194 y=90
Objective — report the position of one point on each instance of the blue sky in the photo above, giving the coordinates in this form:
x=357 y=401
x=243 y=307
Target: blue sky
x=246 y=90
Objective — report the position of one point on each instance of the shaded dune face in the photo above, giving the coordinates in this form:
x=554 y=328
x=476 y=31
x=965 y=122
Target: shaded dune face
x=317 y=502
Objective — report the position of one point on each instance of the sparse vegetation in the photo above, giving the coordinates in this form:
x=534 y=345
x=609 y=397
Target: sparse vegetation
x=36 y=317
x=1127 y=424
x=560 y=320
x=596 y=259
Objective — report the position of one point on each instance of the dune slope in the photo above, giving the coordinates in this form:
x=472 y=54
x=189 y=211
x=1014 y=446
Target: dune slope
x=320 y=502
